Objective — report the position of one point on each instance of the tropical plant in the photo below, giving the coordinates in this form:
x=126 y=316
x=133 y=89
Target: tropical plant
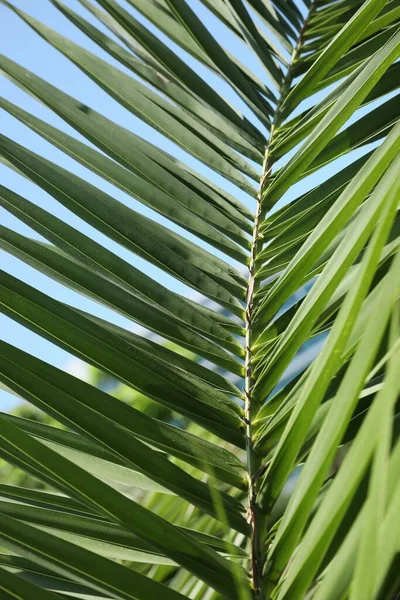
x=215 y=521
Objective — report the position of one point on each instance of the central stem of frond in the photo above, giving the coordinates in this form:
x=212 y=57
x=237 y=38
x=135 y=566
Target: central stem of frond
x=254 y=461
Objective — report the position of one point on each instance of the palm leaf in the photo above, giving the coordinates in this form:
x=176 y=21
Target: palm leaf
x=249 y=447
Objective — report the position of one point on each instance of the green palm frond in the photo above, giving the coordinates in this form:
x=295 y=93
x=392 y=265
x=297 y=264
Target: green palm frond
x=250 y=448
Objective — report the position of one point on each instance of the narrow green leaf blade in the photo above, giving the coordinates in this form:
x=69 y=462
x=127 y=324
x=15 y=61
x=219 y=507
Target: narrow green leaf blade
x=14 y=587
x=151 y=107
x=338 y=114
x=100 y=260
x=211 y=47
x=137 y=233
x=56 y=264
x=347 y=36
x=165 y=537
x=89 y=341
x=131 y=451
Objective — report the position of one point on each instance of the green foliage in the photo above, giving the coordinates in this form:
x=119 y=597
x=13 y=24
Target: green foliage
x=191 y=464
x=12 y=475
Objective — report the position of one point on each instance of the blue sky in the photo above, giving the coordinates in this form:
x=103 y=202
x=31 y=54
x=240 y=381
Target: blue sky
x=21 y=44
